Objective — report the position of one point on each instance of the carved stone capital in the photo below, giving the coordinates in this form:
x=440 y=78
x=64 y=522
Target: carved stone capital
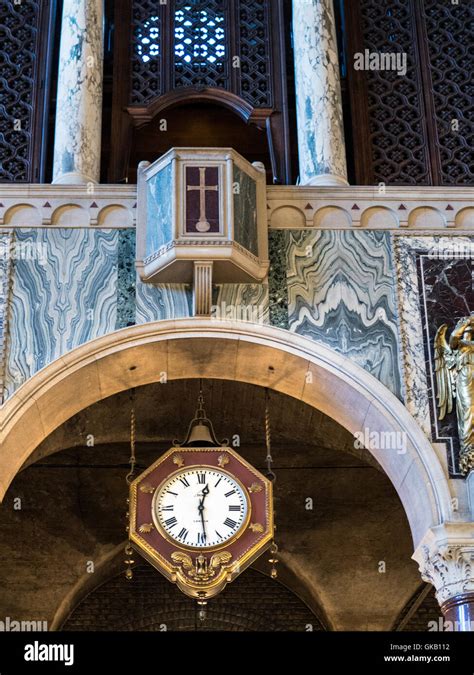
x=445 y=558
x=466 y=461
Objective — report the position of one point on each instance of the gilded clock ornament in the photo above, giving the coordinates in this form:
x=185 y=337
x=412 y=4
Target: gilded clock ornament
x=223 y=461
x=147 y=488
x=204 y=518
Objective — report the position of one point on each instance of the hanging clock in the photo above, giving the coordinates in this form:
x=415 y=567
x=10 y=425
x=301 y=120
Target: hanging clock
x=201 y=514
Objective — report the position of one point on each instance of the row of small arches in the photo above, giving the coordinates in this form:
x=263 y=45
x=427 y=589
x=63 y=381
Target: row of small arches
x=326 y=217
x=67 y=215
x=374 y=217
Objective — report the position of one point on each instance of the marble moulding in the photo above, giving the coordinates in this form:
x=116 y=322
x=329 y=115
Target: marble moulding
x=380 y=207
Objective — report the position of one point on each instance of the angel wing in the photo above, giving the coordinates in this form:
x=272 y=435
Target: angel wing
x=444 y=382
x=182 y=558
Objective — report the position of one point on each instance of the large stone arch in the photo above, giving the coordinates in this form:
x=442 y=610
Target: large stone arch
x=256 y=354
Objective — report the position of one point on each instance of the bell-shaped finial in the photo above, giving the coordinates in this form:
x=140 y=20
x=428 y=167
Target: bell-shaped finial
x=200 y=431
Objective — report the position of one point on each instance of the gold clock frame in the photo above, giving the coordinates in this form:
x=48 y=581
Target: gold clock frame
x=223 y=571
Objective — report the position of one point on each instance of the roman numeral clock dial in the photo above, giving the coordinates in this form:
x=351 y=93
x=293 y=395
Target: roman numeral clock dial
x=201 y=515
x=201 y=508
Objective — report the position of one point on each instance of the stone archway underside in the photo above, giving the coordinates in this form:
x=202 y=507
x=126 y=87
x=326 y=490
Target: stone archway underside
x=254 y=354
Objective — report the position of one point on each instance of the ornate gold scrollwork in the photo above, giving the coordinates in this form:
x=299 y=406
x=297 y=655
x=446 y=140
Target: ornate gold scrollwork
x=147 y=488
x=203 y=569
x=223 y=460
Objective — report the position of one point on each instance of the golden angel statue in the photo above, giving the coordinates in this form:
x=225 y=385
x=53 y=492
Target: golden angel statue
x=454 y=367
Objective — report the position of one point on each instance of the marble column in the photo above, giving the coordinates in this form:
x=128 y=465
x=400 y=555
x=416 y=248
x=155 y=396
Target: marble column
x=322 y=154
x=446 y=559
x=79 y=107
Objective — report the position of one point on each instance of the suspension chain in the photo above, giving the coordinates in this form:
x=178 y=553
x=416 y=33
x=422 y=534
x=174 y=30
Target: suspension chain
x=129 y=478
x=268 y=438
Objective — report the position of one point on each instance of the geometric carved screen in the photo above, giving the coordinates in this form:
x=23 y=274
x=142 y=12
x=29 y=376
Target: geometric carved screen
x=18 y=34
x=146 y=52
x=201 y=46
x=418 y=127
x=450 y=34
x=228 y=54
x=254 y=36
x=395 y=103
x=20 y=88
x=201 y=43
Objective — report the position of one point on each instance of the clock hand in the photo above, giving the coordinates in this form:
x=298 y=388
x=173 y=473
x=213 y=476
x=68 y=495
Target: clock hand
x=203 y=525
x=205 y=492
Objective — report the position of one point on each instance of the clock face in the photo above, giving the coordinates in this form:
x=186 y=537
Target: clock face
x=201 y=507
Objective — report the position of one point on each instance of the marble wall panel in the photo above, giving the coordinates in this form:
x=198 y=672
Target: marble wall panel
x=241 y=302
x=341 y=291
x=277 y=283
x=126 y=279
x=155 y=302
x=63 y=294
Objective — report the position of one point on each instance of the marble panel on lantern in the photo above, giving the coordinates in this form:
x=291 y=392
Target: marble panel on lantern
x=245 y=211
x=159 y=215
